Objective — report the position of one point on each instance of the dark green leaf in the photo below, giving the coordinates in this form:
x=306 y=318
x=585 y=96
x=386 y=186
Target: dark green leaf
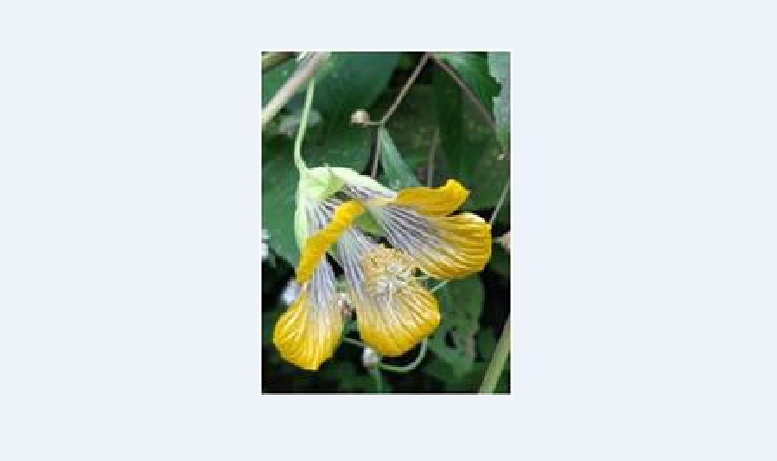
x=473 y=70
x=288 y=125
x=499 y=66
x=413 y=128
x=500 y=260
x=461 y=302
x=347 y=147
x=279 y=186
x=450 y=110
x=394 y=167
x=354 y=81
x=469 y=147
x=272 y=80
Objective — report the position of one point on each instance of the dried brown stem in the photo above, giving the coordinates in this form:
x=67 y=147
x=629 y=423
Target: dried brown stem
x=478 y=103
x=300 y=77
x=394 y=106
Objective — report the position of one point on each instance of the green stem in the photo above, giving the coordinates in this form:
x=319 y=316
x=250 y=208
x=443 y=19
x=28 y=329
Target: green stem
x=410 y=366
x=501 y=202
x=438 y=286
x=303 y=124
x=376 y=375
x=355 y=342
x=498 y=360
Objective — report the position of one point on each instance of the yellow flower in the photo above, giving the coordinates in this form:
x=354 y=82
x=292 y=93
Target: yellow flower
x=309 y=331
x=417 y=221
x=394 y=311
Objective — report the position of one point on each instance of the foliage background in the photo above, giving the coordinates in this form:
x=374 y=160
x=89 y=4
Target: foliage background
x=469 y=142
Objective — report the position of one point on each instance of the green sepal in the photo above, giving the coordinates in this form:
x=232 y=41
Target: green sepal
x=368 y=224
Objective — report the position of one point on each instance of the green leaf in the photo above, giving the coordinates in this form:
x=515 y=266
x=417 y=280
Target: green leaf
x=354 y=81
x=279 y=186
x=347 y=147
x=288 y=125
x=413 y=127
x=274 y=79
x=394 y=167
x=473 y=70
x=367 y=223
x=499 y=66
x=470 y=149
x=461 y=303
x=500 y=261
x=450 y=114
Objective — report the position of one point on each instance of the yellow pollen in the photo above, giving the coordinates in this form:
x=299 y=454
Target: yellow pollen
x=387 y=271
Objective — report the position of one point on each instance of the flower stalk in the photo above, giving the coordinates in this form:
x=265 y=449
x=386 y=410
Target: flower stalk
x=303 y=125
x=498 y=361
x=410 y=366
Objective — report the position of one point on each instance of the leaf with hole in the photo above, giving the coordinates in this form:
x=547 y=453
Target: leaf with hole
x=461 y=303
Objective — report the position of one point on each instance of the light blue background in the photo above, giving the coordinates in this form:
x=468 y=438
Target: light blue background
x=643 y=204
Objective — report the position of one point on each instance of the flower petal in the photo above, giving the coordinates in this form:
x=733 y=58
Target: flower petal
x=443 y=247
x=309 y=331
x=406 y=318
x=391 y=317
x=440 y=201
x=316 y=246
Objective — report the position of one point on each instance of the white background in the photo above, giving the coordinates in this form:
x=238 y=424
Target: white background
x=643 y=236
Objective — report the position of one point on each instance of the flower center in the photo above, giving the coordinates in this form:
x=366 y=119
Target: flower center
x=387 y=271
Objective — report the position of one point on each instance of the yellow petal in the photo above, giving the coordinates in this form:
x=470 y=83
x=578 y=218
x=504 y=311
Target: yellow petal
x=317 y=245
x=465 y=248
x=393 y=311
x=308 y=335
x=440 y=201
x=395 y=327
x=442 y=246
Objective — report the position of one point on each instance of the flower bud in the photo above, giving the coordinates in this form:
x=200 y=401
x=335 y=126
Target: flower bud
x=505 y=241
x=370 y=358
x=265 y=246
x=291 y=292
x=360 y=117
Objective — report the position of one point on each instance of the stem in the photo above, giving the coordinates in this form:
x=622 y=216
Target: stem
x=498 y=360
x=303 y=125
x=479 y=104
x=405 y=89
x=393 y=108
x=430 y=164
x=376 y=159
x=274 y=59
x=376 y=375
x=295 y=82
x=440 y=285
x=410 y=366
x=355 y=342
x=481 y=108
x=500 y=202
